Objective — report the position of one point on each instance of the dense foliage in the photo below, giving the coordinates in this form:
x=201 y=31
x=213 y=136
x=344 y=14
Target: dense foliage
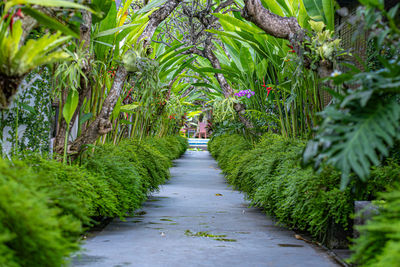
x=361 y=125
x=45 y=205
x=114 y=80
x=271 y=176
x=379 y=242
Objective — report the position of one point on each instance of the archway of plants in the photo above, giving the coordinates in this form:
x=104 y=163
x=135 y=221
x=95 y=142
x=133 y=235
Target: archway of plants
x=278 y=79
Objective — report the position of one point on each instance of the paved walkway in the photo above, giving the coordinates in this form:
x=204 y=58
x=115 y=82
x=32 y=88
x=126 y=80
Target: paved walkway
x=197 y=220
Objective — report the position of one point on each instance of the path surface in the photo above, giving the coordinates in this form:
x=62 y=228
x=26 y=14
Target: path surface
x=168 y=231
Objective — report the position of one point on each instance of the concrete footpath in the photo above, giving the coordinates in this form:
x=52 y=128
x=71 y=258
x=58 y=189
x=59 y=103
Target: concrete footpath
x=198 y=220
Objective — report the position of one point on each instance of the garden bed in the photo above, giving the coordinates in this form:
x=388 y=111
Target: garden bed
x=270 y=174
x=45 y=205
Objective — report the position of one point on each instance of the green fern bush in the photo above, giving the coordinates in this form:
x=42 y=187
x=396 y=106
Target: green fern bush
x=45 y=204
x=34 y=230
x=170 y=146
x=379 y=241
x=272 y=178
x=227 y=148
x=94 y=196
x=122 y=178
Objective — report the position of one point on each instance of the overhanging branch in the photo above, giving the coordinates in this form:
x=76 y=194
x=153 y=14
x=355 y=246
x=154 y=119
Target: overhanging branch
x=272 y=24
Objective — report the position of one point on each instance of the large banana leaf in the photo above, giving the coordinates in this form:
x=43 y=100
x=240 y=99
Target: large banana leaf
x=151 y=6
x=274 y=7
x=245 y=26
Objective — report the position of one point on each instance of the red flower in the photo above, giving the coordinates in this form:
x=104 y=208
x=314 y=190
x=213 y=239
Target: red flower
x=269 y=89
x=264 y=84
x=292 y=51
x=17 y=14
x=290 y=46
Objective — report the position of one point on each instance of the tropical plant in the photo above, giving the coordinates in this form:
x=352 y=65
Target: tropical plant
x=287 y=95
x=18 y=57
x=379 y=241
x=359 y=129
x=17 y=60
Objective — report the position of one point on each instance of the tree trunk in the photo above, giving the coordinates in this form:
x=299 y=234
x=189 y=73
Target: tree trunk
x=8 y=88
x=84 y=86
x=156 y=18
x=102 y=125
x=227 y=89
x=284 y=28
x=208 y=20
x=274 y=25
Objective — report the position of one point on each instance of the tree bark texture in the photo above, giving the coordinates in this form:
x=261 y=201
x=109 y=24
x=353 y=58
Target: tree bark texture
x=277 y=26
x=156 y=18
x=8 y=88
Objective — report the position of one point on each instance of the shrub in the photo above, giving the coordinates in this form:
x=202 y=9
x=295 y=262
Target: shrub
x=272 y=178
x=43 y=203
x=379 y=241
x=134 y=168
x=171 y=146
x=227 y=148
x=120 y=176
x=34 y=231
x=93 y=193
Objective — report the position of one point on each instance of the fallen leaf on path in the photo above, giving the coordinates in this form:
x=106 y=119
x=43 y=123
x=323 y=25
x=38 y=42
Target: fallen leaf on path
x=299 y=237
x=218 y=195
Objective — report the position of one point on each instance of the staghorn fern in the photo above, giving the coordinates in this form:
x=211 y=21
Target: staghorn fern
x=16 y=61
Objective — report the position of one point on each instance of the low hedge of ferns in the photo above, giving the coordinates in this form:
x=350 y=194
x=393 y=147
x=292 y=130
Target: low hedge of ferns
x=270 y=174
x=45 y=205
